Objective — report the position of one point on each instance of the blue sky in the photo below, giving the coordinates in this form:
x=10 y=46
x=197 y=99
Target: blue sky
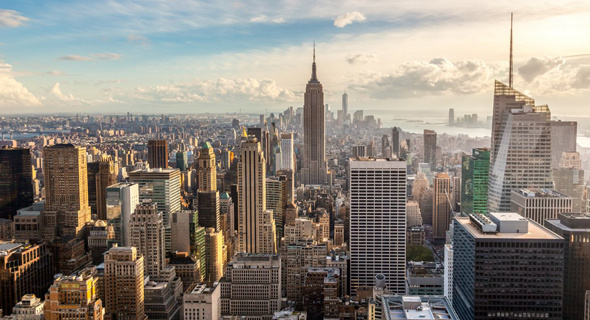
x=205 y=56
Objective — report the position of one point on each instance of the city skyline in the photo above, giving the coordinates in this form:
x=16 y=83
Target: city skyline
x=198 y=57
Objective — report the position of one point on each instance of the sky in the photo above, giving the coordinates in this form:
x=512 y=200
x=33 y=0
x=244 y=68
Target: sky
x=183 y=56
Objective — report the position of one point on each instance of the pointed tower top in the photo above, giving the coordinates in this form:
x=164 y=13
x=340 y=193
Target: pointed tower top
x=314 y=51
x=314 y=77
x=510 y=78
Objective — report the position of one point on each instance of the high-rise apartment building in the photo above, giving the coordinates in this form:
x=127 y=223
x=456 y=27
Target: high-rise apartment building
x=66 y=191
x=147 y=235
x=568 y=179
x=158 y=153
x=16 y=181
x=314 y=168
x=475 y=174
x=287 y=153
x=24 y=269
x=252 y=236
x=377 y=222
x=122 y=200
x=574 y=228
x=430 y=148
x=251 y=286
x=161 y=186
x=74 y=297
x=441 y=206
x=497 y=272
x=540 y=205
x=124 y=284
x=520 y=165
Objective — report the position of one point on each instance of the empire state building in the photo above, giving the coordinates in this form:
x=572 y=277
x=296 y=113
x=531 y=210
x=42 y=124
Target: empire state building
x=314 y=170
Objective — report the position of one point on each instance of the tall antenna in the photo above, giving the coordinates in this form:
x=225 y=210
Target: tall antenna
x=314 y=51
x=511 y=62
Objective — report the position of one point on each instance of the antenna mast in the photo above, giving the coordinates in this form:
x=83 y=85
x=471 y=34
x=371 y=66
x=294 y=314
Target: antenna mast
x=510 y=78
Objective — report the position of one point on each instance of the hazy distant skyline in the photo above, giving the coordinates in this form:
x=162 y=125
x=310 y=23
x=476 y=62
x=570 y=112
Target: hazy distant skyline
x=165 y=56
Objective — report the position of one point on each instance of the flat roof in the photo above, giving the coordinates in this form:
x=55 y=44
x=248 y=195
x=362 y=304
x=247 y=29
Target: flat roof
x=535 y=232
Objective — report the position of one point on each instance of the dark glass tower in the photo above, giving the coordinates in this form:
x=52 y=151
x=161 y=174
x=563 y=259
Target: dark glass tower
x=16 y=185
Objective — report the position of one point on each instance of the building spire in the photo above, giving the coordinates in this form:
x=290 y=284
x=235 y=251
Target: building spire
x=510 y=78
x=313 y=67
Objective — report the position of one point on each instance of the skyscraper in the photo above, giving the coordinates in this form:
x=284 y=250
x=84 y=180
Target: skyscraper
x=208 y=196
x=441 y=206
x=275 y=202
x=563 y=139
x=377 y=222
x=123 y=284
x=451 y=117
x=345 y=108
x=252 y=199
x=475 y=174
x=385 y=148
x=430 y=148
x=214 y=243
x=575 y=229
x=287 y=162
x=16 y=181
x=122 y=200
x=105 y=177
x=569 y=180
x=539 y=205
x=158 y=153
x=497 y=272
x=147 y=235
x=74 y=297
x=395 y=142
x=314 y=169
x=520 y=165
x=66 y=191
x=161 y=186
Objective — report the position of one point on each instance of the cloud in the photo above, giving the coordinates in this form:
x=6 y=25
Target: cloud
x=12 y=93
x=536 y=67
x=360 y=58
x=98 y=83
x=437 y=77
x=582 y=78
x=137 y=38
x=55 y=91
x=55 y=73
x=264 y=18
x=11 y=19
x=93 y=56
x=221 y=91
x=348 y=18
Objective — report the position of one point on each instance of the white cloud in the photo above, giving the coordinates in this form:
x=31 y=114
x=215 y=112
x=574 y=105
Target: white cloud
x=222 y=91
x=536 y=67
x=264 y=18
x=437 y=77
x=11 y=19
x=360 y=58
x=348 y=18
x=137 y=38
x=93 y=56
x=12 y=93
x=55 y=91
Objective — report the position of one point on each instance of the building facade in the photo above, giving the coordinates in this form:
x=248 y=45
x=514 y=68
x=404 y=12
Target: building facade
x=124 y=284
x=475 y=174
x=16 y=181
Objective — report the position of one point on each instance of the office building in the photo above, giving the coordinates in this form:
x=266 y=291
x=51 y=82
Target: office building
x=214 y=244
x=209 y=209
x=207 y=169
x=64 y=167
x=513 y=164
x=568 y=179
x=147 y=235
x=124 y=284
x=101 y=174
x=413 y=213
x=540 y=205
x=424 y=279
x=287 y=153
x=202 y=301
x=100 y=239
x=430 y=148
x=187 y=268
x=385 y=147
x=297 y=254
x=451 y=117
x=74 y=297
x=395 y=142
x=24 y=269
x=345 y=115
x=275 y=202
x=359 y=151
x=16 y=181
x=28 y=222
x=574 y=228
x=441 y=206
x=416 y=307
x=475 y=174
x=122 y=200
x=314 y=168
x=161 y=186
x=251 y=286
x=497 y=272
x=377 y=222
x=321 y=293
x=564 y=136
x=253 y=234
x=160 y=301
x=182 y=160
x=448 y=272
x=158 y=154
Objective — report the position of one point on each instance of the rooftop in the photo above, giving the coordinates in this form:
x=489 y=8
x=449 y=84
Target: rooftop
x=417 y=307
x=541 y=193
x=535 y=231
